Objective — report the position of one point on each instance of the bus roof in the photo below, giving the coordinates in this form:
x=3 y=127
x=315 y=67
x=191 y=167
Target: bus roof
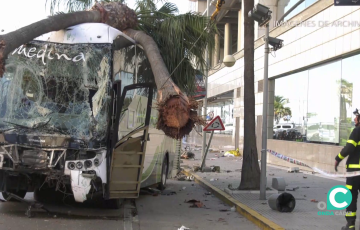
x=88 y=33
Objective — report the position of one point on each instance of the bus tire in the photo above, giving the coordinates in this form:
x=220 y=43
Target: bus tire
x=164 y=173
x=20 y=193
x=114 y=203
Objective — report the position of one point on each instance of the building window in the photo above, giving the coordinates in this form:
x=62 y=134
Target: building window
x=317 y=105
x=285 y=6
x=260 y=86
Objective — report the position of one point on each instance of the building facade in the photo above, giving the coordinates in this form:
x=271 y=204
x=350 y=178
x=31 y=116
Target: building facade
x=312 y=78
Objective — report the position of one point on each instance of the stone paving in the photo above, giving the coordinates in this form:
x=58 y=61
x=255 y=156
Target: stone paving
x=310 y=187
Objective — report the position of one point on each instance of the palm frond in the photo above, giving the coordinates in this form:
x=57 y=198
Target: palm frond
x=74 y=5
x=175 y=36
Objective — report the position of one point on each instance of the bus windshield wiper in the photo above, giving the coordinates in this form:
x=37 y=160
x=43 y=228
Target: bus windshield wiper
x=18 y=125
x=40 y=125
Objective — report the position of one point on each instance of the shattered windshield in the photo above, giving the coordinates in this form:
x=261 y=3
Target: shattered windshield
x=57 y=88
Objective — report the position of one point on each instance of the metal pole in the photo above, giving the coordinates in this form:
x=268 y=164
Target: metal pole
x=264 y=122
x=206 y=82
x=207 y=150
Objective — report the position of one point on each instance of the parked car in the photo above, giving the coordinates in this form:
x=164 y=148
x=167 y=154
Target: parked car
x=229 y=128
x=287 y=134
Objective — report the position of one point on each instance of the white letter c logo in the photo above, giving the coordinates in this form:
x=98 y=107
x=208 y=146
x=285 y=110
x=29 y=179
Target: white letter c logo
x=332 y=198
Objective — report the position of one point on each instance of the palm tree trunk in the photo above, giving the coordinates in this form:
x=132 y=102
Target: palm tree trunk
x=177 y=114
x=250 y=173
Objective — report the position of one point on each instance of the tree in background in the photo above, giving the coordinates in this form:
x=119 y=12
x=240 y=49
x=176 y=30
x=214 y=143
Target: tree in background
x=279 y=108
x=250 y=173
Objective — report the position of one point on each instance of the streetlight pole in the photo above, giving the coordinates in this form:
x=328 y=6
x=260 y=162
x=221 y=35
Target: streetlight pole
x=206 y=84
x=264 y=121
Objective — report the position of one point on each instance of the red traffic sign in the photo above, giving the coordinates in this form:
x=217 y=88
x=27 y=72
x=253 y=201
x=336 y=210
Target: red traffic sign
x=215 y=124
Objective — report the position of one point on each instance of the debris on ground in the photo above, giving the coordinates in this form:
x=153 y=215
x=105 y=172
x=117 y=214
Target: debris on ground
x=187 y=155
x=233 y=153
x=237 y=170
x=271 y=174
x=228 y=171
x=168 y=192
x=292 y=189
x=183 y=188
x=294 y=170
x=314 y=201
x=182 y=177
x=233 y=209
x=208 y=193
x=195 y=203
x=183 y=228
x=263 y=203
x=196 y=168
x=305 y=187
x=149 y=191
x=221 y=220
x=223 y=210
x=304 y=177
x=213 y=159
x=215 y=168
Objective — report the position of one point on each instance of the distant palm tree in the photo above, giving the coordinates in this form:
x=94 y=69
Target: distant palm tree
x=279 y=109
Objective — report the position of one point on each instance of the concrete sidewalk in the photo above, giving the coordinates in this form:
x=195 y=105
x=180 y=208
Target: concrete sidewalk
x=310 y=187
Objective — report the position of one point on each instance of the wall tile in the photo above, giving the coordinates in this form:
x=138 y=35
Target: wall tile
x=347 y=43
x=339 y=46
x=355 y=17
x=347 y=24
x=355 y=39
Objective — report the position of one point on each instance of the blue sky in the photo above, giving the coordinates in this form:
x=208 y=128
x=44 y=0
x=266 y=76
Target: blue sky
x=15 y=14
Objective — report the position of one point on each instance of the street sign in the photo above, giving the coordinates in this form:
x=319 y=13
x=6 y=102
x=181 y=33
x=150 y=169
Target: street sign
x=215 y=124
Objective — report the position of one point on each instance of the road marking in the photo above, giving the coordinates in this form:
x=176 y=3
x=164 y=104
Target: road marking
x=127 y=215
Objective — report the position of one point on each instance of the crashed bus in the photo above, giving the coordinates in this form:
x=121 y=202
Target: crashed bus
x=70 y=123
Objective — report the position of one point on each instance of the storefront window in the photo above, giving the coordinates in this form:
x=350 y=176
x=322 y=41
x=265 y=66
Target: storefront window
x=290 y=108
x=323 y=103
x=318 y=103
x=225 y=111
x=350 y=98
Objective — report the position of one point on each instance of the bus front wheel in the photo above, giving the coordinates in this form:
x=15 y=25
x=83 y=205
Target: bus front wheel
x=164 y=173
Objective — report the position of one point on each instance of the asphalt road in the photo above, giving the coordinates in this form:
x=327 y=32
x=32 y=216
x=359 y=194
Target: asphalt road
x=146 y=213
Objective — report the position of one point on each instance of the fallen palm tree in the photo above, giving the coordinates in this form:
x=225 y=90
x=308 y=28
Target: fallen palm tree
x=177 y=113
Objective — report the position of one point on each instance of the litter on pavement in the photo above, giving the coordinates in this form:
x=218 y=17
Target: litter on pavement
x=215 y=168
x=183 y=228
x=292 y=189
x=187 y=155
x=233 y=153
x=168 y=192
x=284 y=202
x=195 y=203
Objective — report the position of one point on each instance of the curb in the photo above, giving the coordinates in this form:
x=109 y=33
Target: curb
x=250 y=214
